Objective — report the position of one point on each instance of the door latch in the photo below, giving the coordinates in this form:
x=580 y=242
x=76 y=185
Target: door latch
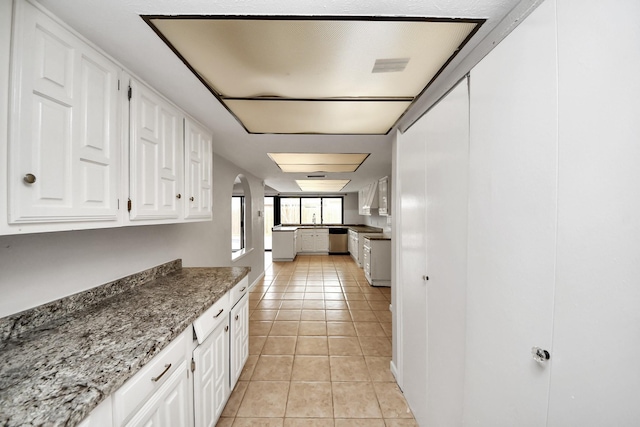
x=540 y=355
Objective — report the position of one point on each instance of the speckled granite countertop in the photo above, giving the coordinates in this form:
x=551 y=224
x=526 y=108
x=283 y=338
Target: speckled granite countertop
x=55 y=374
x=358 y=228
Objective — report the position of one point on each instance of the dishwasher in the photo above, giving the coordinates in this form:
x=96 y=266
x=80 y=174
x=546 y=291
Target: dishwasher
x=338 y=241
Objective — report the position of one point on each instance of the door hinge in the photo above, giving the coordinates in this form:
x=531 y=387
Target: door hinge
x=129 y=205
x=118 y=84
x=193 y=365
x=129 y=93
x=118 y=204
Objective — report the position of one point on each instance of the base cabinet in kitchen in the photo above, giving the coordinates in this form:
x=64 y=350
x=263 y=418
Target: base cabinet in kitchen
x=314 y=240
x=160 y=393
x=284 y=245
x=239 y=323
x=210 y=377
x=170 y=406
x=377 y=261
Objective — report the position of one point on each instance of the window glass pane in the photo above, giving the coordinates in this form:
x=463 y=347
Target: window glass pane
x=332 y=210
x=237 y=233
x=290 y=211
x=311 y=211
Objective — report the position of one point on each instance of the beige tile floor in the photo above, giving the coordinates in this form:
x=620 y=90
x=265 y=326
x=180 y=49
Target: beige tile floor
x=319 y=351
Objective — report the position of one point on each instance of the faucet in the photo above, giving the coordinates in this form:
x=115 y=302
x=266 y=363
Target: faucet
x=313 y=219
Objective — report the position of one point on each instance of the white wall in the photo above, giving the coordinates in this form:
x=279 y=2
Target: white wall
x=350 y=206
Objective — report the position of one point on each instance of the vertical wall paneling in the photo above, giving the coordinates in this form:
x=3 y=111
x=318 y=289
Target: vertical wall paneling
x=512 y=226
x=447 y=165
x=596 y=374
x=412 y=265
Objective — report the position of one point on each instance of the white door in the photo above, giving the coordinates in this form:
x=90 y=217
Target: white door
x=156 y=152
x=170 y=406
x=596 y=336
x=64 y=125
x=198 y=161
x=447 y=165
x=512 y=226
x=412 y=266
x=239 y=338
x=210 y=378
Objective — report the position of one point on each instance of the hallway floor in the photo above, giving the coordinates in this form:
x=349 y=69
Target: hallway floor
x=319 y=350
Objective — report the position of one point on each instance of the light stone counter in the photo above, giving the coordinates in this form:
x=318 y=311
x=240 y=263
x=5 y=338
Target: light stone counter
x=84 y=347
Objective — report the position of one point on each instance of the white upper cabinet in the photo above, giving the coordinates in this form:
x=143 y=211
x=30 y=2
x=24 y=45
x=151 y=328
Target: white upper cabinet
x=64 y=138
x=156 y=150
x=383 y=197
x=368 y=198
x=198 y=158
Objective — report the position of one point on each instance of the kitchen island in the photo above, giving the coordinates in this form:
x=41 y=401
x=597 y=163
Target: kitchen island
x=62 y=359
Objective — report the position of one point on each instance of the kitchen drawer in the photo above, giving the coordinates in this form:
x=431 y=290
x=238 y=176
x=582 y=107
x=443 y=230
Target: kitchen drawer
x=150 y=378
x=239 y=290
x=211 y=318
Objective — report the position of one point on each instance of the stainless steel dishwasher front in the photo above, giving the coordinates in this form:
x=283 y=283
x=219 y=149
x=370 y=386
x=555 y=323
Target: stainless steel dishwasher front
x=338 y=241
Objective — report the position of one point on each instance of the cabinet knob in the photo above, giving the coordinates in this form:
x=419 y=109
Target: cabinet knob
x=236 y=317
x=29 y=178
x=191 y=198
x=425 y=277
x=179 y=196
x=226 y=328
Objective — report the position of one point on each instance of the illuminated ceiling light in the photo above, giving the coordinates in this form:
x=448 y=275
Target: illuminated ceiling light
x=315 y=75
x=322 y=185
x=318 y=162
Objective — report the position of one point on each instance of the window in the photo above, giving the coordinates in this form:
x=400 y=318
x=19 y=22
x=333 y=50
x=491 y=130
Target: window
x=290 y=211
x=332 y=210
x=310 y=210
x=237 y=223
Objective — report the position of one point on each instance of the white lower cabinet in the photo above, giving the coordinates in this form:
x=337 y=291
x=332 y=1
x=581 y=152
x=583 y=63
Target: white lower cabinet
x=314 y=240
x=377 y=262
x=210 y=377
x=170 y=406
x=284 y=245
x=189 y=382
x=160 y=394
x=239 y=322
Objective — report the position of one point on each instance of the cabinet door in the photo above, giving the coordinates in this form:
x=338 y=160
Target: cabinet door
x=156 y=149
x=210 y=384
x=383 y=196
x=170 y=406
x=198 y=163
x=64 y=125
x=239 y=338
x=308 y=241
x=321 y=241
x=366 y=263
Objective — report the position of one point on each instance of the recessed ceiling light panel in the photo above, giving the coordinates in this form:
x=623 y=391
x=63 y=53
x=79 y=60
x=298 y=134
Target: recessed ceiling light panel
x=322 y=185
x=318 y=162
x=315 y=64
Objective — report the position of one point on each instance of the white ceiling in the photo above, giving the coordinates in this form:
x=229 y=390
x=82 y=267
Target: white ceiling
x=116 y=27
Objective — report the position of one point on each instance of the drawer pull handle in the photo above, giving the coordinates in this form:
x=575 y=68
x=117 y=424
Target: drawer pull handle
x=226 y=328
x=166 y=368
x=236 y=317
x=242 y=290
x=219 y=313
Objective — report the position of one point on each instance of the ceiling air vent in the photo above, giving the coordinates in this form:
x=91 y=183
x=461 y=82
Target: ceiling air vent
x=391 y=65
x=316 y=176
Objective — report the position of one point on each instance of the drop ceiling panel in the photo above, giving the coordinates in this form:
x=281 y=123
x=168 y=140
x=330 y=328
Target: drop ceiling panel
x=324 y=117
x=313 y=58
x=324 y=185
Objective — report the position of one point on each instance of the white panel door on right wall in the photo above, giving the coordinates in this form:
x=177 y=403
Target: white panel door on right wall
x=512 y=226
x=596 y=371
